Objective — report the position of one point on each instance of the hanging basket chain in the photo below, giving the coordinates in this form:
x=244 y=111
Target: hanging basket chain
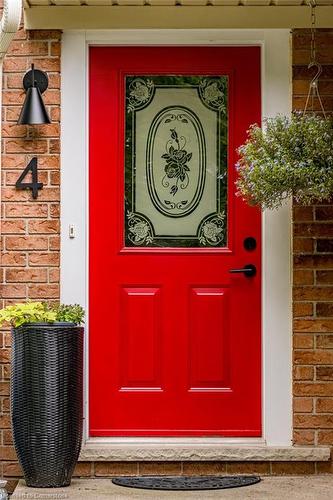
x=313 y=87
x=313 y=30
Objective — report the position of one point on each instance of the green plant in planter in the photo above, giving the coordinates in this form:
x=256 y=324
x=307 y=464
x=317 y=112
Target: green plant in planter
x=73 y=313
x=29 y=312
x=287 y=157
x=40 y=312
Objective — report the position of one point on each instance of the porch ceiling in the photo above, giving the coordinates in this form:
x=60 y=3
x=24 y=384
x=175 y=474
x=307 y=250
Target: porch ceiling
x=112 y=3
x=171 y=14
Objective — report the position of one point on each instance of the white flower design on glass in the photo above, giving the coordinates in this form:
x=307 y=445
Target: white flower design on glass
x=212 y=93
x=212 y=231
x=139 y=229
x=140 y=93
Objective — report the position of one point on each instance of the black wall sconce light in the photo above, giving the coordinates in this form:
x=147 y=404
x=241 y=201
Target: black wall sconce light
x=33 y=112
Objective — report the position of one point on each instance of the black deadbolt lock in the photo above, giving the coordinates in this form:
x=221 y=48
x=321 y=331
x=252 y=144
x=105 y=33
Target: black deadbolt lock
x=250 y=243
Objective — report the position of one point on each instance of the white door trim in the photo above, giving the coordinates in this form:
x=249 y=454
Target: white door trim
x=276 y=286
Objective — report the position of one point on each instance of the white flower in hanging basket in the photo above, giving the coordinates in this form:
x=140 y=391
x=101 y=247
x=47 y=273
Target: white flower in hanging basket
x=287 y=157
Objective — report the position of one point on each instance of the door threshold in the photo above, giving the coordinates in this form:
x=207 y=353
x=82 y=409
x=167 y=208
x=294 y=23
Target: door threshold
x=196 y=449
x=145 y=440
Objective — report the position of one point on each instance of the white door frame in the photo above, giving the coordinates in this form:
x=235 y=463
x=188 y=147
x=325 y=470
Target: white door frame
x=276 y=225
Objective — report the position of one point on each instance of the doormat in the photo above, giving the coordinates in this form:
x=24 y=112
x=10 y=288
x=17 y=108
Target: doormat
x=186 y=483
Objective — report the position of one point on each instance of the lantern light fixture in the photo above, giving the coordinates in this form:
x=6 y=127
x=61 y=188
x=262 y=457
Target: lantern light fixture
x=33 y=112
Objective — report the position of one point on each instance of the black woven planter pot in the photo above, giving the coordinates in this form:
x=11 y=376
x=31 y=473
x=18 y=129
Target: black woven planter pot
x=46 y=401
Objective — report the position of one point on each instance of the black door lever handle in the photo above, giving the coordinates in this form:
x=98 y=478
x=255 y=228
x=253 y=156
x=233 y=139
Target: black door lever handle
x=249 y=270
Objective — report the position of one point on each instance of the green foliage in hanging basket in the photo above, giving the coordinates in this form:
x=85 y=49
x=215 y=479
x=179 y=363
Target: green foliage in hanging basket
x=287 y=157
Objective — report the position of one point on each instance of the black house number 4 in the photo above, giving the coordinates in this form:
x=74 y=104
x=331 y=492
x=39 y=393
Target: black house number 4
x=34 y=185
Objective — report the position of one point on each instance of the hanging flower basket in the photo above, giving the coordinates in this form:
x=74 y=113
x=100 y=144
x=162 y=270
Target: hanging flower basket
x=287 y=157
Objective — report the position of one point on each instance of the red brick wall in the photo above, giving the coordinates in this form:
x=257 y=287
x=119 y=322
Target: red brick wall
x=29 y=228
x=313 y=274
x=30 y=259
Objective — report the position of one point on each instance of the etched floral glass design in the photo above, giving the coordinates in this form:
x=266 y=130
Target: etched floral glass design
x=176 y=161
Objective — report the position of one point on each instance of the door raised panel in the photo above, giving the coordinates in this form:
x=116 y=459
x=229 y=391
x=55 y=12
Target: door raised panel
x=209 y=339
x=140 y=344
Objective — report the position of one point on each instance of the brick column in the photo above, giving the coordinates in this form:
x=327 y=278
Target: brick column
x=30 y=228
x=313 y=274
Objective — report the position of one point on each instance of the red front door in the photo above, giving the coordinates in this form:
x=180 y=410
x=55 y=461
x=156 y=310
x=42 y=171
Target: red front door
x=175 y=337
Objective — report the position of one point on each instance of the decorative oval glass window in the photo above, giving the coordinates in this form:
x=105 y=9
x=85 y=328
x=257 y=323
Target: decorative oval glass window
x=176 y=161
